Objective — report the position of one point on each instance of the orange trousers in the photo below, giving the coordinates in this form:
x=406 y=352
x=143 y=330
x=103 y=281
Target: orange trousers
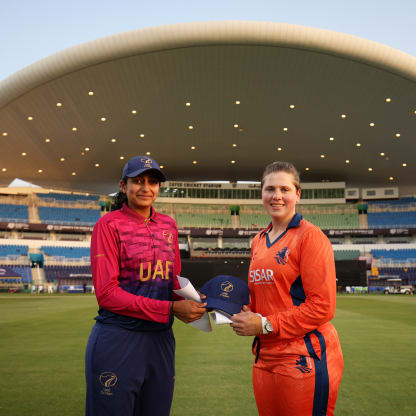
x=299 y=385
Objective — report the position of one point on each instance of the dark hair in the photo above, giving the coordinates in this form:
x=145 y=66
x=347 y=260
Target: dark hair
x=119 y=198
x=282 y=167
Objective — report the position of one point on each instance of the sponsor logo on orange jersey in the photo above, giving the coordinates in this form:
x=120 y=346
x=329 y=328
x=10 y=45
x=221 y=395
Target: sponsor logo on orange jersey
x=261 y=276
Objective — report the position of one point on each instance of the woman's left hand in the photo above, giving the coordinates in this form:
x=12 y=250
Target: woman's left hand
x=246 y=323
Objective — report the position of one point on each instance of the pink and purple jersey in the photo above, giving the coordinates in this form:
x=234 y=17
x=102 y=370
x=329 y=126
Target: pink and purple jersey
x=134 y=264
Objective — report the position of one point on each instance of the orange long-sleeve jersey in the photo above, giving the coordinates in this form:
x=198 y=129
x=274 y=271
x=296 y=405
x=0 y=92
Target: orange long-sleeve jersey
x=292 y=282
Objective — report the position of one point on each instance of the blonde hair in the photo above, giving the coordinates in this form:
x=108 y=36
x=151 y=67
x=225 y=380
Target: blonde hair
x=282 y=167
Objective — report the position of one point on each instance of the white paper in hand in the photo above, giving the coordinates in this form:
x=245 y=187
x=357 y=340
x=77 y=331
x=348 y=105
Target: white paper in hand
x=221 y=318
x=188 y=291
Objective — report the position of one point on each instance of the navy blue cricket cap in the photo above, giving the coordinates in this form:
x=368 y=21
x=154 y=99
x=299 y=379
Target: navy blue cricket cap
x=140 y=164
x=226 y=293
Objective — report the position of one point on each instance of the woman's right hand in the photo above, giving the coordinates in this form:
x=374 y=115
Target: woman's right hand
x=188 y=310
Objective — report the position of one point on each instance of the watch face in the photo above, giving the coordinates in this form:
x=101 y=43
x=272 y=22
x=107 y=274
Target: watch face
x=269 y=326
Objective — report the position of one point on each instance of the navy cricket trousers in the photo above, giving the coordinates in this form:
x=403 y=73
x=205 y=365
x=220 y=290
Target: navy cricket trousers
x=129 y=373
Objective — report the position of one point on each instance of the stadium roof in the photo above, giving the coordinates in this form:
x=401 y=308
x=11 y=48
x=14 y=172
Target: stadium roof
x=253 y=88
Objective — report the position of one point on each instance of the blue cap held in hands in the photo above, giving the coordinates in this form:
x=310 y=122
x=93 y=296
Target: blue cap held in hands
x=226 y=293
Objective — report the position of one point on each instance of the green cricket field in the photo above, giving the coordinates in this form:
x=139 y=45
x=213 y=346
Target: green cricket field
x=43 y=339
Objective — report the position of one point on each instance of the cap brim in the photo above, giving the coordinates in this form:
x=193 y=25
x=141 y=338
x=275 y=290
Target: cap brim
x=222 y=305
x=159 y=173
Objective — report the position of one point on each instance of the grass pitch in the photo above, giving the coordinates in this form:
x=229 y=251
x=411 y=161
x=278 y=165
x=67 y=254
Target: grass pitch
x=43 y=339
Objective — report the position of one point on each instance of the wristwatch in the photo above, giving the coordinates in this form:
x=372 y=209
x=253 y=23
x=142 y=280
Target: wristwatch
x=266 y=325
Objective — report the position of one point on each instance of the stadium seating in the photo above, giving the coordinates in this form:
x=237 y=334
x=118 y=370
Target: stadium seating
x=24 y=271
x=346 y=254
x=53 y=273
x=71 y=216
x=203 y=220
x=260 y=220
x=14 y=213
x=66 y=252
x=403 y=219
x=334 y=221
x=407 y=274
x=399 y=256
x=13 y=251
x=51 y=197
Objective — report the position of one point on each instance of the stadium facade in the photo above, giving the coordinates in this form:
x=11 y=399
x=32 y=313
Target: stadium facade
x=211 y=101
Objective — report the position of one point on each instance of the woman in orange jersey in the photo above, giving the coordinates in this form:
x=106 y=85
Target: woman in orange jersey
x=298 y=359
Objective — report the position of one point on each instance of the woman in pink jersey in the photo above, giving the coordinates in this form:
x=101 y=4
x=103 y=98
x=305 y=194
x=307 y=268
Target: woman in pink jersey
x=135 y=261
x=298 y=359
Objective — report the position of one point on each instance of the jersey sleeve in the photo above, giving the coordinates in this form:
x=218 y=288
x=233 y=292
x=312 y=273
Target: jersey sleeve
x=177 y=268
x=105 y=272
x=317 y=268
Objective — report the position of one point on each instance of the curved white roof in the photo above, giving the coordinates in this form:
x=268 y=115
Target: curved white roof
x=265 y=66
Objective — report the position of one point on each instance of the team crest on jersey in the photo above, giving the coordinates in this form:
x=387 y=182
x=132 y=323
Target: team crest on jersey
x=108 y=380
x=304 y=364
x=167 y=235
x=282 y=256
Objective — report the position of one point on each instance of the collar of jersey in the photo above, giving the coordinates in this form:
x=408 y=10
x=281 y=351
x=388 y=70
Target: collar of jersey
x=294 y=222
x=137 y=217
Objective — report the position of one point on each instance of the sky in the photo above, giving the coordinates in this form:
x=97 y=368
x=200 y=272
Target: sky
x=31 y=30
